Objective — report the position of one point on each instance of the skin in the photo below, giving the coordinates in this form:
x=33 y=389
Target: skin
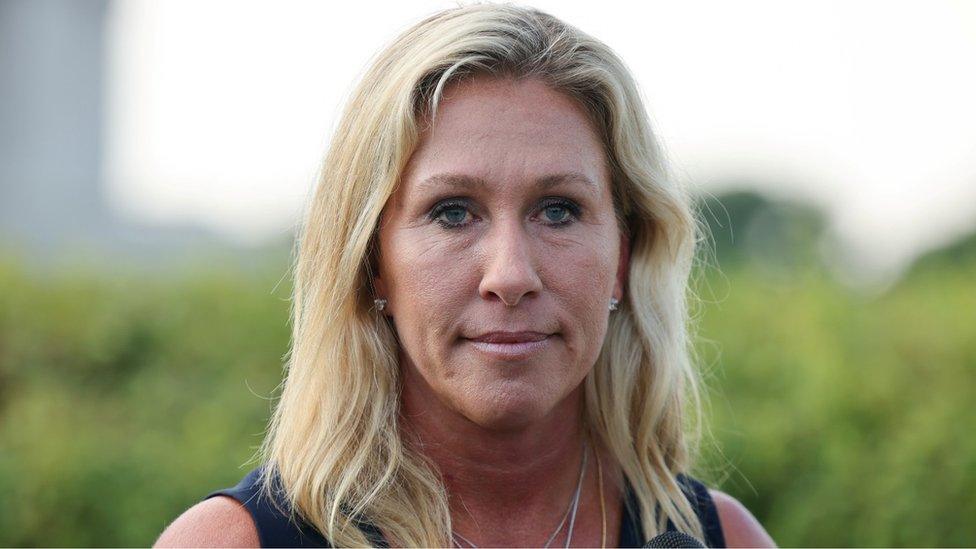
x=506 y=252
x=517 y=255
x=508 y=266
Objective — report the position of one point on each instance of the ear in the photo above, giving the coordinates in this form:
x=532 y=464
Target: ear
x=623 y=267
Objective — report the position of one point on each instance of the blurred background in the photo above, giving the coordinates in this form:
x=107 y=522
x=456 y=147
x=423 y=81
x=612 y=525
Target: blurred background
x=155 y=158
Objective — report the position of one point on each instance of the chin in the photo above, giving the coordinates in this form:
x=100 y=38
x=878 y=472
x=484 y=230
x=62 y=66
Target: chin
x=508 y=408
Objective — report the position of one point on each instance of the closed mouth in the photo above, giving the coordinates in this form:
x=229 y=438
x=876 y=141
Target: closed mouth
x=510 y=337
x=510 y=345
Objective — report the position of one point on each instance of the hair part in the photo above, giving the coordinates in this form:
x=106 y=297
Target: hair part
x=334 y=448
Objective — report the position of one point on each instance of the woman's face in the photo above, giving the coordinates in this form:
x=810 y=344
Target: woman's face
x=499 y=253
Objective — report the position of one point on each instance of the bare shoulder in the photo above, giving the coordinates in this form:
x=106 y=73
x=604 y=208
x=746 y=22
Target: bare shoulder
x=740 y=528
x=216 y=522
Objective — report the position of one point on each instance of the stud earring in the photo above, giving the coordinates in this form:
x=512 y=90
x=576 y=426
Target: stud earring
x=614 y=304
x=380 y=304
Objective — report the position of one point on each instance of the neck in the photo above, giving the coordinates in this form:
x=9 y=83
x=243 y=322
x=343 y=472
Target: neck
x=527 y=473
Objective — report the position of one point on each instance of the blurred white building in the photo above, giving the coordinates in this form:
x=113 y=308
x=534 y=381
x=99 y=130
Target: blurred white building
x=53 y=202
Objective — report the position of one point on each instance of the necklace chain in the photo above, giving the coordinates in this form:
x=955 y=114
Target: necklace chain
x=576 y=498
x=570 y=511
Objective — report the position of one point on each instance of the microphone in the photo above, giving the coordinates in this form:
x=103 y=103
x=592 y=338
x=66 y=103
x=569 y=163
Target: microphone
x=674 y=539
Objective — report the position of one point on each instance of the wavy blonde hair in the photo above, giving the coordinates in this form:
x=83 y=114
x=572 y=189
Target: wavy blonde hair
x=333 y=448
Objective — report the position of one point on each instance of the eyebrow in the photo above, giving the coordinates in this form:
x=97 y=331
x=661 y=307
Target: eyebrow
x=469 y=182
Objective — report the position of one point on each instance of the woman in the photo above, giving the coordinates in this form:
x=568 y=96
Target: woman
x=490 y=343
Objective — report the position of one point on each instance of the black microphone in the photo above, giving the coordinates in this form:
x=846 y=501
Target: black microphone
x=674 y=539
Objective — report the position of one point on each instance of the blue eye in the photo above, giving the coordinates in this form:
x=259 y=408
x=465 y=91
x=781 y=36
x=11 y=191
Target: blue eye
x=454 y=215
x=558 y=212
x=451 y=215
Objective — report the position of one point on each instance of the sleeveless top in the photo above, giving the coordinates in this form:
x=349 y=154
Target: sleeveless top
x=276 y=529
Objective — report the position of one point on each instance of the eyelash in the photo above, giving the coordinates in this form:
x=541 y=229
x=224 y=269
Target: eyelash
x=569 y=206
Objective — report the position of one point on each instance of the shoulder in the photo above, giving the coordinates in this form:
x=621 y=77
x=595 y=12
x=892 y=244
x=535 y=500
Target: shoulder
x=219 y=521
x=740 y=528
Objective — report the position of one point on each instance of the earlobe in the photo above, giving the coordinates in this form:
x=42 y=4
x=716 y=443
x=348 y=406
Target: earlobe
x=379 y=295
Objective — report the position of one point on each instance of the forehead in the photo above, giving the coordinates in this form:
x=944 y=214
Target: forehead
x=503 y=131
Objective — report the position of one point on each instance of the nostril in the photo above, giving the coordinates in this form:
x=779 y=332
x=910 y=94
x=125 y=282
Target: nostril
x=510 y=272
x=510 y=289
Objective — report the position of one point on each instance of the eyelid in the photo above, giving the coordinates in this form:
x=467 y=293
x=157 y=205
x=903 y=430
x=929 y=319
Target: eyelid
x=573 y=208
x=448 y=204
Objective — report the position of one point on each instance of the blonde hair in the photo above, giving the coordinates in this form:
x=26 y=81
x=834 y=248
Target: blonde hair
x=333 y=440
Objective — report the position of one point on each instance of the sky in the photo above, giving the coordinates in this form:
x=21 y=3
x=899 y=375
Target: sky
x=219 y=112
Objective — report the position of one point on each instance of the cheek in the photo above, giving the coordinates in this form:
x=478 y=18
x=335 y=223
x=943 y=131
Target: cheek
x=427 y=287
x=582 y=278
x=432 y=278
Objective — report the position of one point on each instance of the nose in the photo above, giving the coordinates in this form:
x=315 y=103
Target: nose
x=510 y=272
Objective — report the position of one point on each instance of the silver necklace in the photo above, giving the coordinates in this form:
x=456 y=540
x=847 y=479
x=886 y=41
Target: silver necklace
x=570 y=512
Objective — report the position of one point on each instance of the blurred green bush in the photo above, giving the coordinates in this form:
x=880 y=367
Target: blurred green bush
x=837 y=419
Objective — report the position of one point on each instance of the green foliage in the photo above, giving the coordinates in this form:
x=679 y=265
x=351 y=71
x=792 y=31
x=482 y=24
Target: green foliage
x=122 y=400
x=841 y=421
x=960 y=251
x=844 y=421
x=745 y=227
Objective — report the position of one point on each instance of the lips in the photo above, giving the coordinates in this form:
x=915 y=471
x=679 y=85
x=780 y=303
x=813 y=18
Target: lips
x=510 y=337
x=510 y=346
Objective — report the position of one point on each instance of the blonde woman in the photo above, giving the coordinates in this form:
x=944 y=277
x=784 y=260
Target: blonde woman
x=490 y=341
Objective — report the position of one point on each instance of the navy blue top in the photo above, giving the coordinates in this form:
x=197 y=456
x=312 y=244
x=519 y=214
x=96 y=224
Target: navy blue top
x=276 y=529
